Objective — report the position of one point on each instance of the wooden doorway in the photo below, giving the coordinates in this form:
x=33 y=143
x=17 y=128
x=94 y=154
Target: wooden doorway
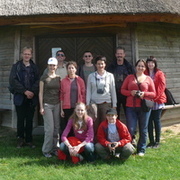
x=74 y=47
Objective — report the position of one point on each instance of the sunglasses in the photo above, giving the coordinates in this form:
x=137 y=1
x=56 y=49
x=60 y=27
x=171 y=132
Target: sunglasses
x=62 y=55
x=88 y=56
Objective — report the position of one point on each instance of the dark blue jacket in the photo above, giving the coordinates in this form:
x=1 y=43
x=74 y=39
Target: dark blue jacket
x=17 y=82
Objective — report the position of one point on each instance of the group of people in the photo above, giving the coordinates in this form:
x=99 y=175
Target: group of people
x=81 y=105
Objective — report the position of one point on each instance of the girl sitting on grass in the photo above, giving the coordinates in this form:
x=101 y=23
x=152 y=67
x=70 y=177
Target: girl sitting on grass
x=81 y=145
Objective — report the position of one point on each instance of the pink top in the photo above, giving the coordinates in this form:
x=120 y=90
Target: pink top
x=66 y=88
x=129 y=84
x=83 y=135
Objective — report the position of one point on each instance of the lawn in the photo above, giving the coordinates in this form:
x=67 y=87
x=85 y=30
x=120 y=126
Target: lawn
x=29 y=164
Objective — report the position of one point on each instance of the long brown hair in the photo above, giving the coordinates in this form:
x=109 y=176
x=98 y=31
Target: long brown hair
x=75 y=117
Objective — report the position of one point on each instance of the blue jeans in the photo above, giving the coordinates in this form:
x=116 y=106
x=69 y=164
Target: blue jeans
x=134 y=116
x=88 y=153
x=154 y=122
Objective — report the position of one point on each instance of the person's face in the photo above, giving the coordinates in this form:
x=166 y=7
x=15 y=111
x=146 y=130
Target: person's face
x=140 y=67
x=87 y=57
x=80 y=111
x=100 y=65
x=71 y=69
x=26 y=55
x=111 y=118
x=120 y=54
x=52 y=67
x=60 y=56
x=151 y=65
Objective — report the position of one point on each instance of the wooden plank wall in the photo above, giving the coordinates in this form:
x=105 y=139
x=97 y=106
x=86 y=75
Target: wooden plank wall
x=163 y=42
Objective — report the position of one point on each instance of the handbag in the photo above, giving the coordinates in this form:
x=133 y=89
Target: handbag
x=146 y=104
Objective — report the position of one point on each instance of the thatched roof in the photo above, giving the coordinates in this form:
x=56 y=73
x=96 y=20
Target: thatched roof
x=45 y=7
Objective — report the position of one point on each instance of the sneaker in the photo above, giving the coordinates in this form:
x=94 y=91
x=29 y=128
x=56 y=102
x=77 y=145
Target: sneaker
x=117 y=155
x=31 y=145
x=156 y=145
x=80 y=157
x=48 y=155
x=141 y=154
x=20 y=143
x=150 y=145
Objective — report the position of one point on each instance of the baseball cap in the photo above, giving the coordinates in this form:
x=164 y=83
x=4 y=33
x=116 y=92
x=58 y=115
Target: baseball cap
x=52 y=60
x=111 y=111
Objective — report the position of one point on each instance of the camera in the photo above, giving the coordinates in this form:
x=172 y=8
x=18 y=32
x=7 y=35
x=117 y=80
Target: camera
x=100 y=91
x=112 y=153
x=138 y=94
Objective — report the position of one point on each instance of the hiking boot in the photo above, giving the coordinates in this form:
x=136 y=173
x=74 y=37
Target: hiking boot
x=150 y=145
x=156 y=145
x=20 y=142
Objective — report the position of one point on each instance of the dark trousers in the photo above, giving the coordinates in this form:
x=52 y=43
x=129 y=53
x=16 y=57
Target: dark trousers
x=121 y=100
x=64 y=121
x=154 y=123
x=25 y=114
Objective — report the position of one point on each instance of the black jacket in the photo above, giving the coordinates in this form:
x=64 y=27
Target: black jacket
x=17 y=82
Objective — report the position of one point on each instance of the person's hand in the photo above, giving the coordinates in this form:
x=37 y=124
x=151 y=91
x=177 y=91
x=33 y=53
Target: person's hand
x=142 y=95
x=133 y=92
x=29 y=94
x=73 y=151
x=62 y=113
x=42 y=111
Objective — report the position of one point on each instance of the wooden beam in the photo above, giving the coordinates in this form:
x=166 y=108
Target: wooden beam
x=88 y=19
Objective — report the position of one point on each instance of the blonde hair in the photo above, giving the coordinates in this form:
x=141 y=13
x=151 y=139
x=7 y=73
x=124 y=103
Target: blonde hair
x=27 y=48
x=75 y=117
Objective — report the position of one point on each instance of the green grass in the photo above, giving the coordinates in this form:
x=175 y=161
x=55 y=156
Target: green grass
x=29 y=164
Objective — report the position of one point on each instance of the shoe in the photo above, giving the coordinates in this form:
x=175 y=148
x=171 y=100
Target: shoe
x=117 y=155
x=80 y=157
x=141 y=154
x=20 y=142
x=156 y=145
x=150 y=145
x=48 y=155
x=134 y=143
x=31 y=145
x=55 y=153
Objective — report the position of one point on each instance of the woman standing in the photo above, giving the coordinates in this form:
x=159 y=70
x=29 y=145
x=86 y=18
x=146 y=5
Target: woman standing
x=72 y=91
x=137 y=87
x=49 y=108
x=82 y=126
x=101 y=90
x=154 y=120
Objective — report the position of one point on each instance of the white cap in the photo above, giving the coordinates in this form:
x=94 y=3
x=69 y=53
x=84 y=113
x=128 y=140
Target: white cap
x=52 y=60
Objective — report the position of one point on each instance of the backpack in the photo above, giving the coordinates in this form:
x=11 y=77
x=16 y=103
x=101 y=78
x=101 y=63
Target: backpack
x=170 y=98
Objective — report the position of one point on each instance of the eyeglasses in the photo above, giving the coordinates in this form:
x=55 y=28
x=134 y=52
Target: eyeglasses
x=62 y=55
x=88 y=56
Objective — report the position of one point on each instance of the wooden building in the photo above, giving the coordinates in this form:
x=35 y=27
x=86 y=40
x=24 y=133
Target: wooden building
x=143 y=27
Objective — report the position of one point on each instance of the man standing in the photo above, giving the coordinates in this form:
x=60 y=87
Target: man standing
x=24 y=80
x=88 y=67
x=61 y=68
x=121 y=68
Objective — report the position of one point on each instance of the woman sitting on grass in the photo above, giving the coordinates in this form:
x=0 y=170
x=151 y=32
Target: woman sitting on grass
x=81 y=145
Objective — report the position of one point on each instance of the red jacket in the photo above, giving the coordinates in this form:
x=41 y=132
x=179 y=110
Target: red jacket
x=160 y=85
x=66 y=88
x=129 y=84
x=102 y=133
